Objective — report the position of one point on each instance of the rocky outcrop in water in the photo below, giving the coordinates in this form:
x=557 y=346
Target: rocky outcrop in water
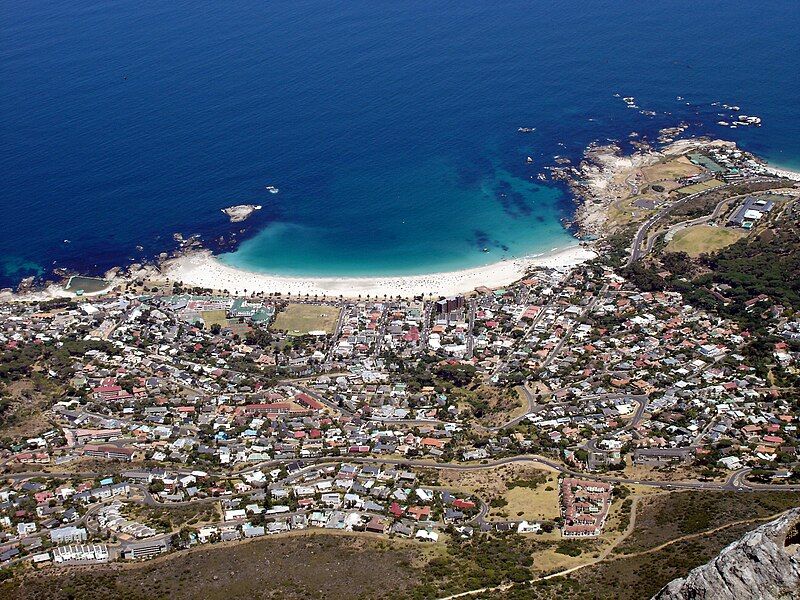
x=240 y=212
x=764 y=564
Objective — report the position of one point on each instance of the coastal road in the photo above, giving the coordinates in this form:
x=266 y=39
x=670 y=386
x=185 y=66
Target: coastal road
x=718 y=209
x=699 y=220
x=336 y=332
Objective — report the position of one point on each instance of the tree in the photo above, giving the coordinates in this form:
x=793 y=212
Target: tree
x=458 y=375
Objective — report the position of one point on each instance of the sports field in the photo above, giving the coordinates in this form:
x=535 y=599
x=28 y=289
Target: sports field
x=670 y=170
x=703 y=239
x=214 y=317
x=300 y=319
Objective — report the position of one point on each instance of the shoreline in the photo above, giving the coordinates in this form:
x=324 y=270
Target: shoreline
x=202 y=269
x=597 y=182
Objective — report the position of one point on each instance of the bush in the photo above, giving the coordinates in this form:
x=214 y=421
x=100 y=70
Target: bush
x=569 y=547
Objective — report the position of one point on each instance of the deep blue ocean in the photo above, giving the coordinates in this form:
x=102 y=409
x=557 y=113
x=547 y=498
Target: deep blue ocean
x=390 y=128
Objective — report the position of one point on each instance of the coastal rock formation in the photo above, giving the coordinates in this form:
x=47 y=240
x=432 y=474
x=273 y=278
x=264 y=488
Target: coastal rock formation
x=764 y=564
x=606 y=177
x=240 y=212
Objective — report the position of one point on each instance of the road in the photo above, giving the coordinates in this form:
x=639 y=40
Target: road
x=568 y=334
x=705 y=219
x=336 y=332
x=699 y=220
x=735 y=482
x=532 y=407
x=471 y=329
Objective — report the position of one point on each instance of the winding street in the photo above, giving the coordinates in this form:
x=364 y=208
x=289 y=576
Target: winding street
x=641 y=233
x=735 y=482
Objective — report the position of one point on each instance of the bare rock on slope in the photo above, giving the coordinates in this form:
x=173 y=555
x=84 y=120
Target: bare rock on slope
x=764 y=564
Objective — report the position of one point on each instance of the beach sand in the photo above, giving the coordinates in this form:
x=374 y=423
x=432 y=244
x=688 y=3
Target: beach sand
x=781 y=172
x=202 y=269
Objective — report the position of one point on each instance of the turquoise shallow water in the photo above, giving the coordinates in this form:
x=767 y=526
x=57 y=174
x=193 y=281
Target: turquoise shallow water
x=374 y=218
x=389 y=127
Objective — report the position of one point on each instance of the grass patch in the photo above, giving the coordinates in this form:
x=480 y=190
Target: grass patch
x=532 y=499
x=214 y=317
x=699 y=187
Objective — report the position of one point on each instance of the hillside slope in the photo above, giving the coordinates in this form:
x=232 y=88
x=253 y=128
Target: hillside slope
x=763 y=564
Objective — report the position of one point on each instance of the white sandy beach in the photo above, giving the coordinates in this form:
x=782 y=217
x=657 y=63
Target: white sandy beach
x=780 y=172
x=202 y=269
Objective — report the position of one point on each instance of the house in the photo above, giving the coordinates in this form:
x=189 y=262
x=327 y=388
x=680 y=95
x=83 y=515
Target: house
x=660 y=456
x=402 y=529
x=750 y=211
x=26 y=528
x=731 y=462
x=427 y=536
x=377 y=525
x=109 y=451
x=144 y=549
x=419 y=513
x=67 y=535
x=236 y=514
x=452 y=516
x=525 y=527
x=80 y=553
